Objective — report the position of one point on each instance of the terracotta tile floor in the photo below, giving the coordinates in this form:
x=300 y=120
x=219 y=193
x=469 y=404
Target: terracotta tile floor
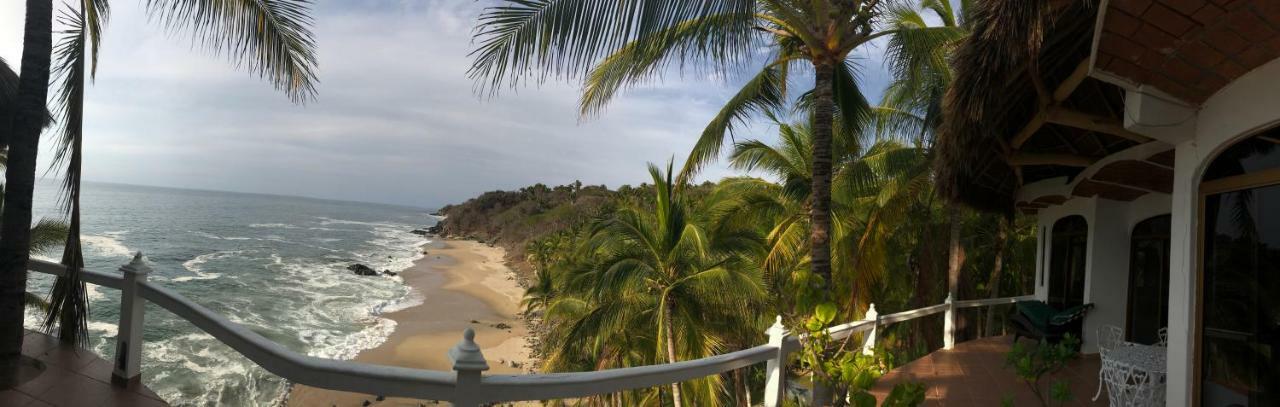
x=72 y=377
x=973 y=374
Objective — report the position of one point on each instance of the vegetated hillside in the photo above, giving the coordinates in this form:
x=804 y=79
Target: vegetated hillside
x=511 y=219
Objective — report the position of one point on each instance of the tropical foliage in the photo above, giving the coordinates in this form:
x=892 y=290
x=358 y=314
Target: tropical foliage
x=846 y=213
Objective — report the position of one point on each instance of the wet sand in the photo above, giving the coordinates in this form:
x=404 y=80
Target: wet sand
x=461 y=282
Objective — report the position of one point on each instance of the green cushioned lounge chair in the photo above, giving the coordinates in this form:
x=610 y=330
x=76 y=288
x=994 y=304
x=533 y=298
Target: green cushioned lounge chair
x=1040 y=321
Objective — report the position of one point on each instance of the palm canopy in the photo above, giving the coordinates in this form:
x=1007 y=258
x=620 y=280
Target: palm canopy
x=614 y=45
x=653 y=283
x=871 y=186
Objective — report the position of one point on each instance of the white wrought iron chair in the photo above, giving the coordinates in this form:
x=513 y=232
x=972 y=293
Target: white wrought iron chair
x=1164 y=337
x=1127 y=385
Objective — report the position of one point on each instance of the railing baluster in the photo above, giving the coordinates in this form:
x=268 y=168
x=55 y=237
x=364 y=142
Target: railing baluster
x=949 y=324
x=468 y=363
x=129 y=337
x=869 y=345
x=775 y=373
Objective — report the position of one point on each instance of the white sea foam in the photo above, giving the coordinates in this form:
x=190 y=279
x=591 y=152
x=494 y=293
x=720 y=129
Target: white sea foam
x=273 y=225
x=106 y=245
x=349 y=346
x=194 y=264
x=104 y=328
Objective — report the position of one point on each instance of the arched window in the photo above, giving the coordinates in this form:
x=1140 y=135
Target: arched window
x=1148 y=280
x=1069 y=248
x=1240 y=275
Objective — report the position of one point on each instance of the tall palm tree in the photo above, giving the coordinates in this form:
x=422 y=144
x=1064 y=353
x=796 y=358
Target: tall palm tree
x=271 y=39
x=618 y=44
x=918 y=54
x=25 y=122
x=872 y=186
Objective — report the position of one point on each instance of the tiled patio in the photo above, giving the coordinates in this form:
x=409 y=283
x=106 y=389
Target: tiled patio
x=974 y=374
x=72 y=377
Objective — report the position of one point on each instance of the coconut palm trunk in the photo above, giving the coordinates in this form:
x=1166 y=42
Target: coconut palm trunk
x=955 y=259
x=740 y=388
x=24 y=138
x=668 y=328
x=820 y=202
x=1002 y=238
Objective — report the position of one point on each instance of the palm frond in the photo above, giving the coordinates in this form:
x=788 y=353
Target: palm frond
x=537 y=39
x=269 y=38
x=764 y=92
x=688 y=43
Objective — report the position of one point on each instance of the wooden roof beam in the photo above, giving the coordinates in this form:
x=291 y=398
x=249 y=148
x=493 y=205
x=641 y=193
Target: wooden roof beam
x=1061 y=93
x=1068 y=160
x=1092 y=122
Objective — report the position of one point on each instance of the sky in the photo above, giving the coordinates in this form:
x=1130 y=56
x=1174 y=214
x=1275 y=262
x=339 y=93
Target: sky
x=396 y=119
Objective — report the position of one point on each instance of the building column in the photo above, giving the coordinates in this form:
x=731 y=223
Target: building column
x=1183 y=258
x=1106 y=282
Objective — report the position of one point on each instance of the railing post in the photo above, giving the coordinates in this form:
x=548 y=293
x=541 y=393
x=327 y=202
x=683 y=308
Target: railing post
x=775 y=374
x=869 y=345
x=949 y=325
x=468 y=363
x=129 y=337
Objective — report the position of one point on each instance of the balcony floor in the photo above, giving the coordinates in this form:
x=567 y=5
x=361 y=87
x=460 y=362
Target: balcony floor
x=72 y=377
x=974 y=374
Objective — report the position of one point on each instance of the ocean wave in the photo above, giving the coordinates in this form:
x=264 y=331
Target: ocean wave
x=216 y=237
x=348 y=346
x=105 y=328
x=106 y=245
x=194 y=265
x=273 y=225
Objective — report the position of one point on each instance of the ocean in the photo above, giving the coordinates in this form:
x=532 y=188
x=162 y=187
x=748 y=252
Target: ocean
x=274 y=264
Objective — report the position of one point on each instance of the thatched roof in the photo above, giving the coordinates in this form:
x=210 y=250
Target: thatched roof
x=1011 y=118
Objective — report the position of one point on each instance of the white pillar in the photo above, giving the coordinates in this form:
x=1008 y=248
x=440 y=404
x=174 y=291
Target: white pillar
x=468 y=364
x=949 y=325
x=1183 y=235
x=129 y=338
x=1106 y=282
x=775 y=373
x=869 y=345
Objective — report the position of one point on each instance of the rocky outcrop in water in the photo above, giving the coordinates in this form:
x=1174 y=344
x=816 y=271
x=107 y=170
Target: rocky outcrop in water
x=362 y=270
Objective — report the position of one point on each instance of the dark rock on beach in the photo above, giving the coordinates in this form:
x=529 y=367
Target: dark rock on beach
x=362 y=270
x=419 y=232
x=388 y=273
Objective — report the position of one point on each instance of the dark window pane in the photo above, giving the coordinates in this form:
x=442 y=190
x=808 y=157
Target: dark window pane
x=1258 y=153
x=1241 y=314
x=1149 y=280
x=1067 y=266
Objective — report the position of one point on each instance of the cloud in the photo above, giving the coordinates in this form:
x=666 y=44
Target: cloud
x=396 y=120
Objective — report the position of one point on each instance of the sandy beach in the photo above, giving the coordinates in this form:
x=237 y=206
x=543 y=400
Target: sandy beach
x=460 y=282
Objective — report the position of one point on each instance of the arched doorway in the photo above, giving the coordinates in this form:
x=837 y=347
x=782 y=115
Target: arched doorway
x=1069 y=248
x=1239 y=329
x=1148 y=280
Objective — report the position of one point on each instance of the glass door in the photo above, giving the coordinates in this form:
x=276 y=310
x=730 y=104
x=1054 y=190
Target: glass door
x=1240 y=277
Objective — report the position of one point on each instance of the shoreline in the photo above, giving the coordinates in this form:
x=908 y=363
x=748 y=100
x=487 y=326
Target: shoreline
x=463 y=284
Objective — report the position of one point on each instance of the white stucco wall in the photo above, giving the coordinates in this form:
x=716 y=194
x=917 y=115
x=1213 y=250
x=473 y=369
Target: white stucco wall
x=1107 y=264
x=1242 y=108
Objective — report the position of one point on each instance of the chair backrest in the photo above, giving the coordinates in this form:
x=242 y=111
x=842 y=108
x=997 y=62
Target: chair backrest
x=1109 y=337
x=1164 y=337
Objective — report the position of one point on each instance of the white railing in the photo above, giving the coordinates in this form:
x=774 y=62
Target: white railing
x=465 y=385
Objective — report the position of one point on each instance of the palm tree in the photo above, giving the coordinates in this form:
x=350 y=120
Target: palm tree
x=270 y=39
x=918 y=54
x=658 y=280
x=872 y=187
x=618 y=44
x=24 y=122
